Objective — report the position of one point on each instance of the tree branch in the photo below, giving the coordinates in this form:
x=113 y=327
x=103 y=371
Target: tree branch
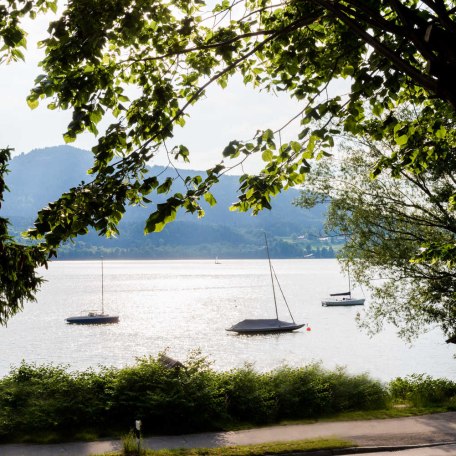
x=422 y=79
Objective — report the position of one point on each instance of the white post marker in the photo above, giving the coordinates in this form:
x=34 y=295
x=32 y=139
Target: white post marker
x=138 y=434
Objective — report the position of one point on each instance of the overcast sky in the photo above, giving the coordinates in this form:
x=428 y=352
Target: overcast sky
x=234 y=113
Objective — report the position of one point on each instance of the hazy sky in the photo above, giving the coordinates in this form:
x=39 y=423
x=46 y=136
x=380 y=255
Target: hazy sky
x=234 y=113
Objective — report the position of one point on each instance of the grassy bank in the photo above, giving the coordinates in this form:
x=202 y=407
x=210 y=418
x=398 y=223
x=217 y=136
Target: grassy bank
x=50 y=403
x=271 y=449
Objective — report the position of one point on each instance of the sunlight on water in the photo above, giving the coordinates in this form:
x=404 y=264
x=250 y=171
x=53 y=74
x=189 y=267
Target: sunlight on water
x=179 y=306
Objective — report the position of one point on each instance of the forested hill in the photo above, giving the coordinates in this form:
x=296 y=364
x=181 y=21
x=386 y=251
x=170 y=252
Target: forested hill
x=38 y=177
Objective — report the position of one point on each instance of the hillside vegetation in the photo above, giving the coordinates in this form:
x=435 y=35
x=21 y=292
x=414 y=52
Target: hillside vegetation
x=43 y=175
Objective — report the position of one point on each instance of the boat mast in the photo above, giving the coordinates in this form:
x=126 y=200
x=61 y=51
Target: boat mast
x=349 y=282
x=102 y=287
x=283 y=295
x=272 y=277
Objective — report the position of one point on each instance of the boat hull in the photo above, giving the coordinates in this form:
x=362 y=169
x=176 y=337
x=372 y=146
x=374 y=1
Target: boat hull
x=92 y=319
x=263 y=326
x=342 y=302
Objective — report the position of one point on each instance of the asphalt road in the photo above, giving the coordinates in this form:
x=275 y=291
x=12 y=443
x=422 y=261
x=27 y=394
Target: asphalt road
x=420 y=430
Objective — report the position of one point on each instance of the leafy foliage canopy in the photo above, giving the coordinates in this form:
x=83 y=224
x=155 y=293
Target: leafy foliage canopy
x=386 y=221
x=393 y=53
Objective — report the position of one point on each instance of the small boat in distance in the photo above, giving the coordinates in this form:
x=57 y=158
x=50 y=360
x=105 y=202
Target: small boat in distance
x=267 y=325
x=343 y=299
x=94 y=317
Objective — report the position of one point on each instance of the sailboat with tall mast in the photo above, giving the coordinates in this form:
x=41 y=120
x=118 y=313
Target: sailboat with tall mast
x=268 y=325
x=344 y=298
x=95 y=317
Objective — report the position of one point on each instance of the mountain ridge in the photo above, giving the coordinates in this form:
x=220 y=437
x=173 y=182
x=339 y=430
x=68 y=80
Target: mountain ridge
x=42 y=175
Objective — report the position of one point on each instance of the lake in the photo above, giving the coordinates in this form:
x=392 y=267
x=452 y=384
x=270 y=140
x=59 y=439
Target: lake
x=179 y=306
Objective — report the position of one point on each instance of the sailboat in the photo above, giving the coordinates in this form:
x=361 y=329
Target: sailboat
x=343 y=299
x=95 y=317
x=269 y=325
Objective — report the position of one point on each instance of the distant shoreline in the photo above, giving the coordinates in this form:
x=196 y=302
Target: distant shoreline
x=220 y=259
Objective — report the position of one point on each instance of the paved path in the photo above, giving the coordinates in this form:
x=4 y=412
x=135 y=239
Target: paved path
x=399 y=431
x=443 y=450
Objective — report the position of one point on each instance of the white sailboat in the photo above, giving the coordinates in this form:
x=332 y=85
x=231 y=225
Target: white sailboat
x=344 y=298
x=95 y=317
x=267 y=325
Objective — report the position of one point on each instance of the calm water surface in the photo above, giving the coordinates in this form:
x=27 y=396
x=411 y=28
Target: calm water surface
x=183 y=305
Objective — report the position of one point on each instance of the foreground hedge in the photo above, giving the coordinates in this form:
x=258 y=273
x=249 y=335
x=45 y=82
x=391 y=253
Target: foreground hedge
x=421 y=390
x=37 y=400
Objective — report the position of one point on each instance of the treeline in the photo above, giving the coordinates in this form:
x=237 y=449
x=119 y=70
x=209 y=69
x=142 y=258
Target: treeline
x=45 y=403
x=82 y=250
x=192 y=240
x=188 y=240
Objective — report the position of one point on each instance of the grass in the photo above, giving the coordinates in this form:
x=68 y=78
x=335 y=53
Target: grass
x=50 y=437
x=272 y=448
x=393 y=412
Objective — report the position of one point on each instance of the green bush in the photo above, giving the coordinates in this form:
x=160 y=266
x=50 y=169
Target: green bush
x=48 y=399
x=303 y=392
x=250 y=396
x=356 y=392
x=167 y=400
x=311 y=391
x=37 y=401
x=421 y=390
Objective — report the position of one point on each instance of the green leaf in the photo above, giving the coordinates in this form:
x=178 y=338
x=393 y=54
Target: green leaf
x=232 y=149
x=166 y=186
x=183 y=152
x=69 y=137
x=267 y=155
x=441 y=132
x=210 y=198
x=401 y=140
x=347 y=70
x=32 y=102
x=267 y=135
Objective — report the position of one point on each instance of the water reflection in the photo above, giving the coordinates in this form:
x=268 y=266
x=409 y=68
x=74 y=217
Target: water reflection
x=185 y=305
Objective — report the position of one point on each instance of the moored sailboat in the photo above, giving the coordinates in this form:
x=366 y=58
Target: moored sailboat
x=344 y=298
x=267 y=325
x=94 y=317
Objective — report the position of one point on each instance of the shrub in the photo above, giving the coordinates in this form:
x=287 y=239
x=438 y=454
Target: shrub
x=250 y=396
x=312 y=391
x=356 y=392
x=421 y=390
x=303 y=392
x=37 y=400
x=168 y=400
x=48 y=399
